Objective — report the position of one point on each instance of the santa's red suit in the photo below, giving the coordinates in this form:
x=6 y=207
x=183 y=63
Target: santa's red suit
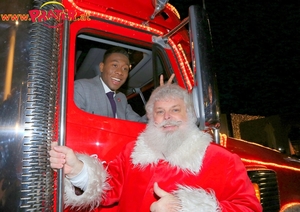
x=204 y=176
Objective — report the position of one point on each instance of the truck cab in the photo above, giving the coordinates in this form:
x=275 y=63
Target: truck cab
x=48 y=45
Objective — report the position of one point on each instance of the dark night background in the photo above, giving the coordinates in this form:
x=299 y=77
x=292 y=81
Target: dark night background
x=257 y=56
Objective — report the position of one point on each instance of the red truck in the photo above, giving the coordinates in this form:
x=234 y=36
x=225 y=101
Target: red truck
x=46 y=45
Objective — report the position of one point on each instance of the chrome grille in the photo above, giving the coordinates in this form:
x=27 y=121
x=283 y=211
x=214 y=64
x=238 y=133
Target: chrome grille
x=268 y=187
x=37 y=190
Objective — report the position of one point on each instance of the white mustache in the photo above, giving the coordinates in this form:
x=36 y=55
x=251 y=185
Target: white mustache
x=169 y=123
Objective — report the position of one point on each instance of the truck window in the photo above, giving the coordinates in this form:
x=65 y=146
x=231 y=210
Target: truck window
x=139 y=85
x=160 y=64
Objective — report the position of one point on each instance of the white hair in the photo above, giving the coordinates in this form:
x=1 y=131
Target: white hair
x=171 y=91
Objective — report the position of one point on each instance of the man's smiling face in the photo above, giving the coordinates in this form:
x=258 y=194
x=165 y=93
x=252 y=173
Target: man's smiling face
x=114 y=70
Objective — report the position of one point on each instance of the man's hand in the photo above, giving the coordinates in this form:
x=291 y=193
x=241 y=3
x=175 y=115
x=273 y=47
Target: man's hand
x=166 y=203
x=64 y=157
x=161 y=80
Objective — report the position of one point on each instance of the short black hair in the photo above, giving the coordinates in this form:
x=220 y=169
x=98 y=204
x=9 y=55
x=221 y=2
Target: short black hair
x=115 y=49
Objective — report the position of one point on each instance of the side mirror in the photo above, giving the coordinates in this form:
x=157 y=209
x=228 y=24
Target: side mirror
x=205 y=92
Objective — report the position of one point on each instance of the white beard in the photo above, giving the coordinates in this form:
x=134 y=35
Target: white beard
x=184 y=148
x=167 y=142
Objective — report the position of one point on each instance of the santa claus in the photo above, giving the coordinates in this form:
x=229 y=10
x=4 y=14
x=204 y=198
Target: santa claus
x=171 y=167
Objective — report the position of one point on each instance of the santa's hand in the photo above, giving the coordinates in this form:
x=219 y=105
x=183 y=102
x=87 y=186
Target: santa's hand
x=64 y=157
x=166 y=203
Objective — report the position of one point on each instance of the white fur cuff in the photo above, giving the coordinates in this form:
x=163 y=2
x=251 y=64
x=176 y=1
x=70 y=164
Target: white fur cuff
x=96 y=186
x=197 y=200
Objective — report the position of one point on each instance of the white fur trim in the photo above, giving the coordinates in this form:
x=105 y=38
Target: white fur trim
x=188 y=157
x=96 y=187
x=197 y=200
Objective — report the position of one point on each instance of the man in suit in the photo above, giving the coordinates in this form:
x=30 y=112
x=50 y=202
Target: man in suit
x=90 y=94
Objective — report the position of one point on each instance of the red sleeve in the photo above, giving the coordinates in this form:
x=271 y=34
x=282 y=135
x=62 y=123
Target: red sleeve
x=239 y=193
x=116 y=170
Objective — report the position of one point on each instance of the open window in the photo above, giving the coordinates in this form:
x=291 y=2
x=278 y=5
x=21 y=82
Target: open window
x=141 y=79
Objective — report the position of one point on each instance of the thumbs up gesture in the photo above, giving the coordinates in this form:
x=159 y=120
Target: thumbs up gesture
x=167 y=202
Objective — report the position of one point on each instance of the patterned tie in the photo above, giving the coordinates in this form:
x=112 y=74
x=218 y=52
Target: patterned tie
x=110 y=96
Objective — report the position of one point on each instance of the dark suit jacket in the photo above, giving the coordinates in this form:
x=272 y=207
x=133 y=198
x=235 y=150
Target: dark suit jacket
x=89 y=95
